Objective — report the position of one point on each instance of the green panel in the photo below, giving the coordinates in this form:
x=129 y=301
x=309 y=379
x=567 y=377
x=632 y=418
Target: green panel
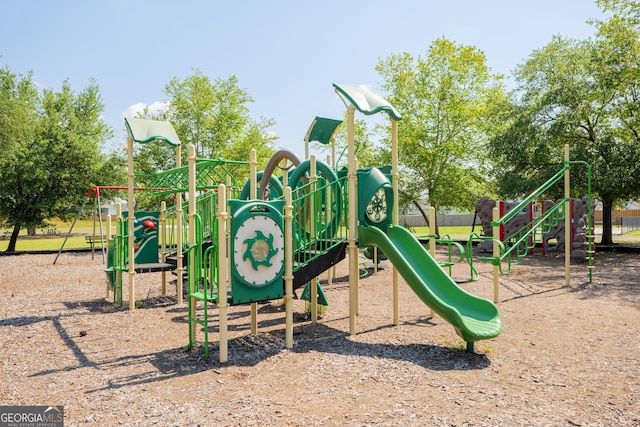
x=110 y=270
x=145 y=242
x=323 y=130
x=145 y=130
x=366 y=101
x=328 y=229
x=472 y=317
x=257 y=250
x=306 y=293
x=375 y=198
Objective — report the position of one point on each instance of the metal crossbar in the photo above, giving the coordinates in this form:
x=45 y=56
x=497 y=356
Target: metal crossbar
x=531 y=198
x=209 y=173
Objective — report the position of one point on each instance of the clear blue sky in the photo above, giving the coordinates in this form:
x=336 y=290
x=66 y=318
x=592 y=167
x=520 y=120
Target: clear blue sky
x=285 y=53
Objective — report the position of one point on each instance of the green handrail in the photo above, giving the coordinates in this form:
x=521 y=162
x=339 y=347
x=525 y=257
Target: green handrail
x=532 y=197
x=327 y=232
x=446 y=239
x=209 y=173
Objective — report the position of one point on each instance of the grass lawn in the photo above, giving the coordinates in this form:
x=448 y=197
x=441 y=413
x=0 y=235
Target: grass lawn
x=51 y=238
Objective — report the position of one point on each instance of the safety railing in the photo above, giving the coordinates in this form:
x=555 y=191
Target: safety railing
x=320 y=219
x=524 y=239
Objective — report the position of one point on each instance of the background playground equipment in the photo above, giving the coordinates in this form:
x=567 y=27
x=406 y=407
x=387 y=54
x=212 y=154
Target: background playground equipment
x=150 y=249
x=580 y=215
x=555 y=233
x=522 y=240
x=98 y=235
x=523 y=226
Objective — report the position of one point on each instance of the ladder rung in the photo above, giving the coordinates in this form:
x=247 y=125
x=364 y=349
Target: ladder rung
x=201 y=296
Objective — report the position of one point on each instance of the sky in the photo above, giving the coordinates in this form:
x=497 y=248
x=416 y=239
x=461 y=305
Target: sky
x=286 y=54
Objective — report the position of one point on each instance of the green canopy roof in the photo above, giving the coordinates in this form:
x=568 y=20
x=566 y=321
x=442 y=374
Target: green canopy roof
x=145 y=130
x=322 y=130
x=366 y=101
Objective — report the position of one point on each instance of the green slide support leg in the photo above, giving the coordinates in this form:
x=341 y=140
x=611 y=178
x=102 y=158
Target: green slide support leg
x=470 y=348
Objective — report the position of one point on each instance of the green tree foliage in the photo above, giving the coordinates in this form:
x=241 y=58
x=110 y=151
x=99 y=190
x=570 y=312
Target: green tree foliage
x=447 y=99
x=583 y=93
x=53 y=160
x=214 y=117
x=18 y=108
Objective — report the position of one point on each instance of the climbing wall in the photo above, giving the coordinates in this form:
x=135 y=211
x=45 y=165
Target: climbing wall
x=554 y=239
x=484 y=209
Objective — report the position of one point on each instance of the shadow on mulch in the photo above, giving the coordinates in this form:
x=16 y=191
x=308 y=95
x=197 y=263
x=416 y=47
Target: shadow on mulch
x=250 y=350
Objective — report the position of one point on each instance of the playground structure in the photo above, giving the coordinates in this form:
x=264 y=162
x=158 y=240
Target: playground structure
x=99 y=238
x=266 y=238
x=578 y=232
x=523 y=226
x=559 y=216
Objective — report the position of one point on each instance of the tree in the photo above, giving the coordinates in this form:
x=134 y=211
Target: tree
x=446 y=99
x=583 y=93
x=18 y=111
x=212 y=116
x=56 y=159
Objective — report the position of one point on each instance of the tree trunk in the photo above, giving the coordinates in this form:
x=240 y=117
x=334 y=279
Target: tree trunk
x=31 y=231
x=607 y=234
x=433 y=226
x=422 y=212
x=14 y=238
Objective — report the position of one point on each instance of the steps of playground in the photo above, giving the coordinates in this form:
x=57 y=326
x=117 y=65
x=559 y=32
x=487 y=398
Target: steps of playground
x=154 y=267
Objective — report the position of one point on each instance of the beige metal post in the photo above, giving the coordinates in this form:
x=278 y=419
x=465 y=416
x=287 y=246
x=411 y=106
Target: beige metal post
x=496 y=250
x=178 y=231
x=353 y=222
x=355 y=196
x=162 y=236
x=223 y=271
x=288 y=267
x=253 y=194
x=191 y=226
x=567 y=221
x=130 y=225
x=313 y=178
x=395 y=177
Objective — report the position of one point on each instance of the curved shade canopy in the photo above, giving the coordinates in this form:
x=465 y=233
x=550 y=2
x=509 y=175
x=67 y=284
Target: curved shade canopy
x=366 y=101
x=322 y=130
x=145 y=130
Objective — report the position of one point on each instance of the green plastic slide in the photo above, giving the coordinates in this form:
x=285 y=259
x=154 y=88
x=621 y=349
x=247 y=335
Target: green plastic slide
x=472 y=317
